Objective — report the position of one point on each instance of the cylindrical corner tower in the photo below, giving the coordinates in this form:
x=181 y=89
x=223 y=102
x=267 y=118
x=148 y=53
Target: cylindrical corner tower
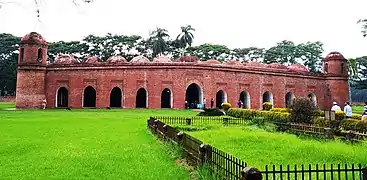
x=31 y=71
x=335 y=68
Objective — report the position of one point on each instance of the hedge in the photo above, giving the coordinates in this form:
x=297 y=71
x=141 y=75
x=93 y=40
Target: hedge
x=269 y=116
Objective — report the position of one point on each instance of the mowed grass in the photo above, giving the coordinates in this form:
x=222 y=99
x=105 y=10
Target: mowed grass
x=358 y=109
x=4 y=105
x=258 y=147
x=84 y=144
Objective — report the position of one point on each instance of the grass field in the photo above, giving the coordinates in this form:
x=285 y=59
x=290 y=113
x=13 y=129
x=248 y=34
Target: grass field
x=357 y=109
x=259 y=147
x=84 y=144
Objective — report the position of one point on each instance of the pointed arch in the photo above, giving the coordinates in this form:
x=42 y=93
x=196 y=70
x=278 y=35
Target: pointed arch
x=220 y=97
x=62 y=98
x=313 y=98
x=116 y=97
x=166 y=98
x=89 y=97
x=141 y=98
x=245 y=99
x=268 y=97
x=289 y=98
x=194 y=95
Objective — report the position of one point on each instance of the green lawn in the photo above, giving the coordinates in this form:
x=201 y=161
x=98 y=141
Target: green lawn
x=4 y=105
x=84 y=144
x=357 y=109
x=259 y=147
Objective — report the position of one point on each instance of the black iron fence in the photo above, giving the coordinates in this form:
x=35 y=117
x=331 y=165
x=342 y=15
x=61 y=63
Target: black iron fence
x=199 y=120
x=229 y=167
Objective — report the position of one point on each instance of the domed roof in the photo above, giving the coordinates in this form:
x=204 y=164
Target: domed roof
x=277 y=65
x=298 y=67
x=334 y=56
x=162 y=59
x=92 y=60
x=116 y=59
x=254 y=64
x=65 y=59
x=140 y=59
x=187 y=59
x=234 y=63
x=33 y=38
x=211 y=61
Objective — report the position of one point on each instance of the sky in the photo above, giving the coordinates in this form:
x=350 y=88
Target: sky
x=234 y=23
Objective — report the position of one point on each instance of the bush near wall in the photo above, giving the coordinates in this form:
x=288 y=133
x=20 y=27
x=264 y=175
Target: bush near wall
x=269 y=116
x=226 y=106
x=267 y=106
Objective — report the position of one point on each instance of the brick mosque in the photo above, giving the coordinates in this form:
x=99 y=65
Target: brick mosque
x=163 y=83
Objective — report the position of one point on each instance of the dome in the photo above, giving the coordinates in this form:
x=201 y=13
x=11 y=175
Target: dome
x=211 y=61
x=187 y=59
x=277 y=65
x=254 y=64
x=92 y=60
x=140 y=59
x=33 y=38
x=65 y=59
x=334 y=56
x=234 y=63
x=298 y=67
x=162 y=59
x=116 y=59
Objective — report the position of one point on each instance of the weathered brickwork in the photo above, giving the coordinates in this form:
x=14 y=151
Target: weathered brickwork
x=38 y=81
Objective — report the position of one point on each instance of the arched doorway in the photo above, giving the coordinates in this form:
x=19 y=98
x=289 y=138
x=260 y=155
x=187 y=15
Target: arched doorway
x=313 y=98
x=116 y=97
x=141 y=98
x=268 y=97
x=89 y=97
x=220 y=98
x=62 y=97
x=245 y=98
x=289 y=98
x=166 y=98
x=194 y=95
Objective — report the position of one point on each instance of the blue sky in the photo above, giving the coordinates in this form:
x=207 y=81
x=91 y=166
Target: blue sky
x=260 y=23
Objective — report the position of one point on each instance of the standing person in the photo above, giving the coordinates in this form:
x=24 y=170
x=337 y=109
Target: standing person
x=211 y=103
x=44 y=102
x=186 y=105
x=348 y=110
x=335 y=107
x=365 y=108
x=239 y=104
x=204 y=103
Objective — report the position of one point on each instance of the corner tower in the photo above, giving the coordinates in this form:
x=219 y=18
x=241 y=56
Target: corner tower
x=335 y=68
x=31 y=72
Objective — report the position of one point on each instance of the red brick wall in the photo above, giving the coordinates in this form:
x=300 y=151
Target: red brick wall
x=30 y=87
x=177 y=78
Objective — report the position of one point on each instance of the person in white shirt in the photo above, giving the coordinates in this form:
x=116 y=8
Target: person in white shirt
x=348 y=110
x=335 y=107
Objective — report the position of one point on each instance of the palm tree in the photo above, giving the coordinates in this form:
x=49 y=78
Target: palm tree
x=157 y=38
x=185 y=37
x=353 y=73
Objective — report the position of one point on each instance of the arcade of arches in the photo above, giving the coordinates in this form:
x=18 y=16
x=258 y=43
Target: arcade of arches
x=193 y=98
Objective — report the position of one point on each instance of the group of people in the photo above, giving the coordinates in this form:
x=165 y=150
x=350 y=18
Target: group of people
x=348 y=109
x=196 y=104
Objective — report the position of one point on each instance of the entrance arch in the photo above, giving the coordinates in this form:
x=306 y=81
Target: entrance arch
x=89 y=97
x=245 y=98
x=268 y=97
x=166 y=98
x=289 y=98
x=194 y=95
x=313 y=98
x=141 y=98
x=116 y=97
x=220 y=98
x=62 y=97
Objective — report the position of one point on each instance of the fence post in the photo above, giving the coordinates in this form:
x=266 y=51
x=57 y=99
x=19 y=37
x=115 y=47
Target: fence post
x=329 y=133
x=349 y=135
x=225 y=121
x=364 y=172
x=188 y=121
x=180 y=137
x=251 y=173
x=202 y=154
x=165 y=129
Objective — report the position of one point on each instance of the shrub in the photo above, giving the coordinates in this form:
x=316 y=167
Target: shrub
x=260 y=121
x=267 y=106
x=302 y=110
x=355 y=125
x=241 y=113
x=319 y=113
x=226 y=106
x=339 y=115
x=281 y=110
x=269 y=116
x=321 y=121
x=211 y=112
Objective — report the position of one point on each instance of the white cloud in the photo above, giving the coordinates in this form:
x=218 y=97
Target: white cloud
x=234 y=23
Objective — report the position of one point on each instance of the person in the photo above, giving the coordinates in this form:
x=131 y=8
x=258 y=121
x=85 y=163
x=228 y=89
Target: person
x=211 y=103
x=44 y=102
x=365 y=108
x=335 y=107
x=348 y=110
x=186 y=105
x=204 y=103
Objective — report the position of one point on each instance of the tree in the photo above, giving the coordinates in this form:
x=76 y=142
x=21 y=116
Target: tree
x=186 y=37
x=209 y=51
x=284 y=52
x=311 y=55
x=75 y=48
x=158 y=41
x=8 y=63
